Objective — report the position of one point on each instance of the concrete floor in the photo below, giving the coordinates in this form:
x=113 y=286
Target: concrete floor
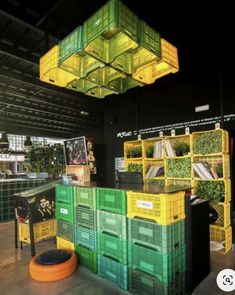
x=15 y=278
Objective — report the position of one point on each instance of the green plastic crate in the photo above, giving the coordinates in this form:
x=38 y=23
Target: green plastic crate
x=64 y=212
x=64 y=194
x=65 y=230
x=163 y=238
x=112 y=247
x=145 y=284
x=85 y=237
x=85 y=217
x=87 y=258
x=149 y=39
x=111 y=31
x=85 y=197
x=163 y=266
x=113 y=271
x=111 y=200
x=71 y=44
x=112 y=223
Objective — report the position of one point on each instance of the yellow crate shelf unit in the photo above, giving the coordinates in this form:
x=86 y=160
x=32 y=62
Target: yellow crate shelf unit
x=153 y=148
x=224 y=216
x=178 y=145
x=210 y=142
x=42 y=230
x=163 y=209
x=222 y=238
x=211 y=166
x=221 y=187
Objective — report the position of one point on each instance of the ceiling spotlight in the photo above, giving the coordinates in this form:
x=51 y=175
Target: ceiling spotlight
x=84 y=113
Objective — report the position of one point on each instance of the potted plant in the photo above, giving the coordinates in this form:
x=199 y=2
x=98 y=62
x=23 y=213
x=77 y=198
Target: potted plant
x=149 y=151
x=137 y=151
x=129 y=152
x=181 y=148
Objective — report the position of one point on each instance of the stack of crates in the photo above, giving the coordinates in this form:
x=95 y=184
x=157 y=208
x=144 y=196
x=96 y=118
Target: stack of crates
x=156 y=243
x=85 y=227
x=112 y=236
x=65 y=216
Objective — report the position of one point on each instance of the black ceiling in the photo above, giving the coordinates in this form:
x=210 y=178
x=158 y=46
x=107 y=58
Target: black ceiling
x=29 y=28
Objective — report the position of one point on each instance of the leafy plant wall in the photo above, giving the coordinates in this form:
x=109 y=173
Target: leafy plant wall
x=47 y=158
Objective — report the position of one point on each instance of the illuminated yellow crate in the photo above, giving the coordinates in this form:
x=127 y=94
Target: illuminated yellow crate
x=224 y=214
x=134 y=165
x=42 y=230
x=81 y=85
x=129 y=146
x=164 y=209
x=208 y=137
x=158 y=147
x=154 y=70
x=175 y=140
x=214 y=161
x=121 y=85
x=64 y=244
x=223 y=236
x=50 y=71
x=99 y=92
x=227 y=188
x=104 y=75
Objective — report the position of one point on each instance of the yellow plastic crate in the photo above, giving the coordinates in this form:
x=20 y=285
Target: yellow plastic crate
x=178 y=182
x=222 y=148
x=224 y=214
x=81 y=85
x=174 y=140
x=50 y=71
x=148 y=163
x=154 y=70
x=104 y=75
x=42 y=230
x=134 y=165
x=64 y=244
x=121 y=85
x=223 y=236
x=164 y=209
x=227 y=186
x=99 y=92
x=129 y=145
x=214 y=161
x=158 y=151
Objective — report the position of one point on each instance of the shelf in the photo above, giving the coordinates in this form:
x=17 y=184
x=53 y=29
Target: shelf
x=214 y=179
x=208 y=155
x=155 y=178
x=178 y=157
x=153 y=159
x=133 y=159
x=178 y=178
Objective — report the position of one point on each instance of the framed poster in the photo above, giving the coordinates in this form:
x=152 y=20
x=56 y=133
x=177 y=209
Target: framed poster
x=75 y=151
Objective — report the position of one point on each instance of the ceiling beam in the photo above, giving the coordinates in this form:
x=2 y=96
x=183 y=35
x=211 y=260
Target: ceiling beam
x=18 y=54
x=96 y=104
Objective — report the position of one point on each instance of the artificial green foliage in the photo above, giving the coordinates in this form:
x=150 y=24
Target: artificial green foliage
x=214 y=191
x=219 y=170
x=47 y=158
x=135 y=167
x=137 y=151
x=208 y=143
x=179 y=168
x=159 y=182
x=149 y=151
x=181 y=148
x=129 y=152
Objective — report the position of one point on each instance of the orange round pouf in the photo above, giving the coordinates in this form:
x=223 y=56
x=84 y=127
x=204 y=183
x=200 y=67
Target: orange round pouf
x=55 y=272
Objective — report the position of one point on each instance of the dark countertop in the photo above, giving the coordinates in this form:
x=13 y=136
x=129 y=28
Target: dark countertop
x=34 y=191
x=143 y=188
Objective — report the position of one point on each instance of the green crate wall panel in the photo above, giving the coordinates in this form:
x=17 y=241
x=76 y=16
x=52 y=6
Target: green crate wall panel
x=65 y=230
x=85 y=217
x=87 y=258
x=64 y=194
x=160 y=237
x=64 y=212
x=112 y=247
x=163 y=266
x=85 y=197
x=86 y=237
x=111 y=200
x=112 y=223
x=113 y=271
x=145 y=284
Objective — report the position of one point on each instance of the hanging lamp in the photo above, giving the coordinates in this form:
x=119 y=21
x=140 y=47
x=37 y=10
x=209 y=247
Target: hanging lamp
x=28 y=141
